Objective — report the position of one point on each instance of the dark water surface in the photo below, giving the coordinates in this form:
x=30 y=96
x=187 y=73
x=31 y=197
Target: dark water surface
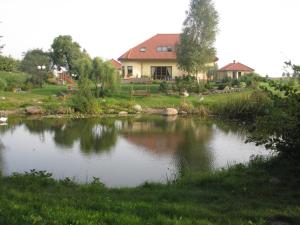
x=122 y=152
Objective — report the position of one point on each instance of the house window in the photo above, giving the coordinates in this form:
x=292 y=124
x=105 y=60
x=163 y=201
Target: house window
x=169 y=49
x=143 y=49
x=159 y=49
x=164 y=49
x=129 y=71
x=161 y=72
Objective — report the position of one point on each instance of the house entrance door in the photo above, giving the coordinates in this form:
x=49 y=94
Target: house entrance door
x=161 y=72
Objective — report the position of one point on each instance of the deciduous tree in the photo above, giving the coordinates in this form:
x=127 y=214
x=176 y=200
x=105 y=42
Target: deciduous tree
x=196 y=47
x=37 y=63
x=66 y=52
x=104 y=74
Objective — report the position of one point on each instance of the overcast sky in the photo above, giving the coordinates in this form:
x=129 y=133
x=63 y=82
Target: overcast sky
x=259 y=33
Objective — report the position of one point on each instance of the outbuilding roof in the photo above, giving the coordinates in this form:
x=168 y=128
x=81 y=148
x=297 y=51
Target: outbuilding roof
x=116 y=64
x=236 y=66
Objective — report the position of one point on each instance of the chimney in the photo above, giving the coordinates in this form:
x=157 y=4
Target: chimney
x=233 y=61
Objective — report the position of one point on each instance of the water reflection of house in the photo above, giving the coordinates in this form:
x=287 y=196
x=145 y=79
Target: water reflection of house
x=162 y=139
x=156 y=143
x=148 y=135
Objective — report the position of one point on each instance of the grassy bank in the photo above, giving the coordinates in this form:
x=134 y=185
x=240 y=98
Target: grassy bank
x=242 y=195
x=47 y=99
x=34 y=97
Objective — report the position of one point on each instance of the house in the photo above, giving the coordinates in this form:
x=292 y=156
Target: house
x=233 y=70
x=117 y=65
x=155 y=58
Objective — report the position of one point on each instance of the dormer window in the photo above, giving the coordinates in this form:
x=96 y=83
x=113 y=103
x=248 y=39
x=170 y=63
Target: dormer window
x=164 y=49
x=143 y=49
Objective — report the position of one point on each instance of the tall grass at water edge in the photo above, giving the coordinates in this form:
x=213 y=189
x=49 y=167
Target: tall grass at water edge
x=246 y=106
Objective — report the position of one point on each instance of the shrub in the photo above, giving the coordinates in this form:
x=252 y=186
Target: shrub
x=8 y=64
x=209 y=86
x=252 y=79
x=84 y=101
x=235 y=82
x=190 y=84
x=51 y=107
x=226 y=80
x=164 y=87
x=14 y=80
x=279 y=130
x=27 y=86
x=84 y=105
x=243 y=84
x=221 y=86
x=186 y=106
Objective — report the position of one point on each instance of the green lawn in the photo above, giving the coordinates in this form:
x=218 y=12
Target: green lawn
x=49 y=90
x=161 y=100
x=14 y=76
x=36 y=97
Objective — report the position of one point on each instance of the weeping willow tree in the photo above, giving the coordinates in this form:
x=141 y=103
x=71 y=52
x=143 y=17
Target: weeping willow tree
x=196 y=50
x=104 y=76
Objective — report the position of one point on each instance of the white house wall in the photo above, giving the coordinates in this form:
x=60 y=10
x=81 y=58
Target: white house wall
x=144 y=68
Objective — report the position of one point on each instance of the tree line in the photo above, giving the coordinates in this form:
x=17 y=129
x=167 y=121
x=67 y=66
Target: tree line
x=64 y=53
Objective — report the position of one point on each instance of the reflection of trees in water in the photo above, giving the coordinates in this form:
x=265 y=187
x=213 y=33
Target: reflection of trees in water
x=11 y=126
x=230 y=127
x=193 y=153
x=187 y=138
x=94 y=135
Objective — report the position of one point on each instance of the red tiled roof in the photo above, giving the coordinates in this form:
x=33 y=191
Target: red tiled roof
x=151 y=45
x=236 y=66
x=116 y=64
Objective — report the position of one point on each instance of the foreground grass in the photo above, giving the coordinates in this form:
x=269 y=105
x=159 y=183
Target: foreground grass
x=240 y=195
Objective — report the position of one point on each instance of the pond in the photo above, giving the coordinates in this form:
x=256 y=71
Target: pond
x=122 y=152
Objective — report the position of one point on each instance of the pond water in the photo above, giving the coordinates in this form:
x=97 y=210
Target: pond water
x=122 y=152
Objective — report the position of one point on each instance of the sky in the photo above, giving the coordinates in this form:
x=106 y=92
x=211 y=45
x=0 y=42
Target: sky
x=259 y=33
